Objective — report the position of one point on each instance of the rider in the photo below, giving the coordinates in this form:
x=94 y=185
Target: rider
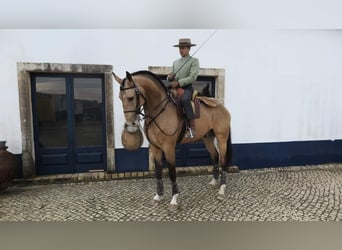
x=184 y=73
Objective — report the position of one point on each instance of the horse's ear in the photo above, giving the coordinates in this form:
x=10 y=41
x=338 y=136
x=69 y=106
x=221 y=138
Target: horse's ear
x=118 y=79
x=128 y=76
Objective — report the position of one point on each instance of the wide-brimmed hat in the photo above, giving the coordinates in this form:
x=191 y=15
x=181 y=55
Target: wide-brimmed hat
x=184 y=42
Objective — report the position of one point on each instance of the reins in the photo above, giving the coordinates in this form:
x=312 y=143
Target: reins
x=153 y=119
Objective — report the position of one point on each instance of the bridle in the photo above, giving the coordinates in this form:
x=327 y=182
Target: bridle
x=138 y=93
x=139 y=108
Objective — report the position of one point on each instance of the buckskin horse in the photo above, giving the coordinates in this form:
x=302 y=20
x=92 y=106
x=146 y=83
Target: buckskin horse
x=164 y=128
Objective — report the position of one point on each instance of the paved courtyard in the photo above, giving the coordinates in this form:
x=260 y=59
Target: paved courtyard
x=311 y=193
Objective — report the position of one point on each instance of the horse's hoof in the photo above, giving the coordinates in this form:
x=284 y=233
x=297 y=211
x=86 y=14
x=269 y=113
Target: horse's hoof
x=220 y=197
x=220 y=194
x=233 y=169
x=173 y=207
x=157 y=199
x=155 y=202
x=174 y=202
x=213 y=184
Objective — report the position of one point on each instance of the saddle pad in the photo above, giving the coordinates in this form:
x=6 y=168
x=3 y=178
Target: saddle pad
x=209 y=101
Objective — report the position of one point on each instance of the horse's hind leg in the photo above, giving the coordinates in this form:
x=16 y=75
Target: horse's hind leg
x=157 y=155
x=209 y=144
x=224 y=145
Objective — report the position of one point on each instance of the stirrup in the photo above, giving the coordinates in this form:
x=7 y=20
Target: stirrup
x=189 y=134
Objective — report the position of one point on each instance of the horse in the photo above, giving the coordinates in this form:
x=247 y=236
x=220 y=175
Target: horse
x=164 y=127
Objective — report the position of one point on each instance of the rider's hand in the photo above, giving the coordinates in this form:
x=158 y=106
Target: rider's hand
x=171 y=77
x=175 y=84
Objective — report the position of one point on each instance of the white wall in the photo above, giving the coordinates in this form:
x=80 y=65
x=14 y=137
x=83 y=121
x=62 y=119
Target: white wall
x=281 y=85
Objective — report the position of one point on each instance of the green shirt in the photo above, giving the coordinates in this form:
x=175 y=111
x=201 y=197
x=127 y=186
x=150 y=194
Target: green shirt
x=188 y=73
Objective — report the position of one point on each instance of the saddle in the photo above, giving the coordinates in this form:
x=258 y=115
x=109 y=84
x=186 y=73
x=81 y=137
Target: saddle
x=176 y=95
x=196 y=100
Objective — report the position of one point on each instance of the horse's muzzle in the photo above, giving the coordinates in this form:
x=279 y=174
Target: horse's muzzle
x=131 y=127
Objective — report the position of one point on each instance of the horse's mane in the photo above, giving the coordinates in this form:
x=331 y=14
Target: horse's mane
x=152 y=76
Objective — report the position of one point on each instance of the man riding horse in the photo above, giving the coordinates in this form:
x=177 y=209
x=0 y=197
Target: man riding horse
x=184 y=74
x=163 y=125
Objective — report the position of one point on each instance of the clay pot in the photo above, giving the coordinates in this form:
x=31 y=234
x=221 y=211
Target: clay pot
x=132 y=141
x=8 y=166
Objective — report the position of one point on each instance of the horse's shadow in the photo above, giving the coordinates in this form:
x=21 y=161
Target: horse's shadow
x=12 y=190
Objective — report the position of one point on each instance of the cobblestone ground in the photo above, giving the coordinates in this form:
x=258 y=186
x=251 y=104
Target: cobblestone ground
x=311 y=193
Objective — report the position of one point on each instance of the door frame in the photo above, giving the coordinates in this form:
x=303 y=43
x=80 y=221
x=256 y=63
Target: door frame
x=71 y=149
x=24 y=70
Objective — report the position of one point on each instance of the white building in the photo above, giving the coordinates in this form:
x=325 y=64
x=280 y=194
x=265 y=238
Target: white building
x=282 y=88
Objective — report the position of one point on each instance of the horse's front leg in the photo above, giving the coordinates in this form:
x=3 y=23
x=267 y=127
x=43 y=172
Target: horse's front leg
x=171 y=159
x=157 y=156
x=175 y=191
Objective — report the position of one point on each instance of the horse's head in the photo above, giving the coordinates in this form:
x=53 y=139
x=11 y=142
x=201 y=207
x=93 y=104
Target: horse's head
x=132 y=99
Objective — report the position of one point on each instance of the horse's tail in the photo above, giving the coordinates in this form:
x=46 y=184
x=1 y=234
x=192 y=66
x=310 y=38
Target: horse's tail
x=229 y=153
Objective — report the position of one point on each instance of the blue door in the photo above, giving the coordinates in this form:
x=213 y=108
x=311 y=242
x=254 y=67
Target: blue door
x=195 y=154
x=69 y=123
